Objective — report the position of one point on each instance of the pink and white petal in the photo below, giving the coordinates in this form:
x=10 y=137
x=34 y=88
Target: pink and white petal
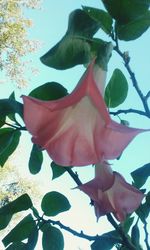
x=124 y=197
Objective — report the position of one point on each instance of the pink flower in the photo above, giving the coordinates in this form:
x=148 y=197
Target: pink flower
x=77 y=129
x=111 y=193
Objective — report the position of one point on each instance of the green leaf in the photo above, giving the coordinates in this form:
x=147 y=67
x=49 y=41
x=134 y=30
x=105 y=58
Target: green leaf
x=73 y=48
x=2 y=121
x=141 y=175
x=17 y=246
x=70 y=51
x=135 y=235
x=106 y=241
x=9 y=140
x=20 y=204
x=143 y=212
x=101 y=17
x=21 y=231
x=32 y=239
x=52 y=239
x=4 y=220
x=49 y=91
x=134 y=29
x=116 y=90
x=125 y=11
x=57 y=170
x=12 y=115
x=9 y=106
x=127 y=224
x=5 y=138
x=36 y=159
x=54 y=203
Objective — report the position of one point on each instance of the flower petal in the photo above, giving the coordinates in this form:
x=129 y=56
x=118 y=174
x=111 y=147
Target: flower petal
x=77 y=129
x=123 y=197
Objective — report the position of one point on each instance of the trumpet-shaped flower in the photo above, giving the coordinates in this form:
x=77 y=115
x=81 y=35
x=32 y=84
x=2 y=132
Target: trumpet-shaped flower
x=111 y=193
x=77 y=129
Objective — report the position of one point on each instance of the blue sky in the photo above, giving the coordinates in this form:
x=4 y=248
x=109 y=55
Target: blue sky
x=50 y=24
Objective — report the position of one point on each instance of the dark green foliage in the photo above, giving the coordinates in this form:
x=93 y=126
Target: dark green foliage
x=49 y=91
x=125 y=11
x=52 y=238
x=135 y=28
x=9 y=140
x=36 y=160
x=101 y=17
x=17 y=246
x=32 y=239
x=140 y=175
x=54 y=203
x=57 y=170
x=10 y=106
x=21 y=231
x=116 y=90
x=73 y=48
x=106 y=241
x=135 y=235
x=6 y=212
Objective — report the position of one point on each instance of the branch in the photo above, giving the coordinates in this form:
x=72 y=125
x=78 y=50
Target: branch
x=70 y=230
x=148 y=95
x=127 y=111
x=125 y=238
x=73 y=175
x=126 y=60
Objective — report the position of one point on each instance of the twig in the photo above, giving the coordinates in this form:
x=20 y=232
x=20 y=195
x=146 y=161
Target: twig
x=148 y=95
x=72 y=231
x=127 y=111
x=146 y=236
x=73 y=175
x=133 y=78
x=125 y=239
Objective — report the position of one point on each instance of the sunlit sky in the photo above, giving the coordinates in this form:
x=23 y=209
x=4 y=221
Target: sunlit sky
x=50 y=24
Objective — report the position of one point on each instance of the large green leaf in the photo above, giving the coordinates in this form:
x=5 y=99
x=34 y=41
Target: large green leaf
x=4 y=220
x=9 y=140
x=2 y=121
x=57 y=170
x=49 y=91
x=17 y=246
x=127 y=224
x=21 y=231
x=36 y=159
x=125 y=11
x=32 y=239
x=10 y=106
x=73 y=48
x=106 y=241
x=20 y=204
x=101 y=17
x=141 y=175
x=54 y=203
x=116 y=90
x=52 y=239
x=134 y=29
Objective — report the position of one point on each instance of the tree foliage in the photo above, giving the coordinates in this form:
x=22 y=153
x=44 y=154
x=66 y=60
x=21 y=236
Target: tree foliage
x=14 y=41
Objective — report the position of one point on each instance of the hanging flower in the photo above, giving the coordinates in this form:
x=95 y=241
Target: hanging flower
x=111 y=193
x=77 y=129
